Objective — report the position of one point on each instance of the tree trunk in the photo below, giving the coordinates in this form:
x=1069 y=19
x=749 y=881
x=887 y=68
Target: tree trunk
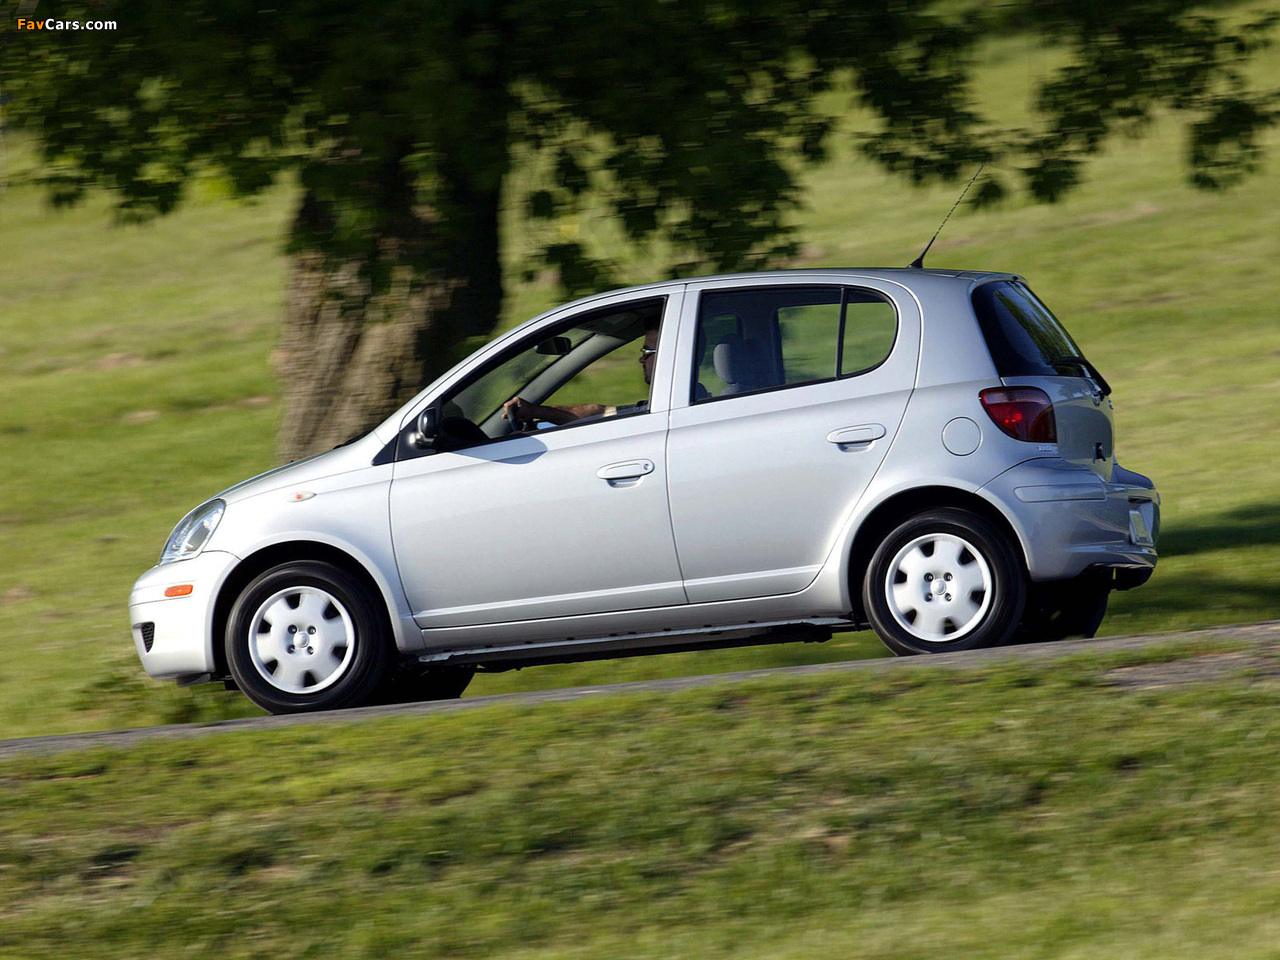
x=355 y=348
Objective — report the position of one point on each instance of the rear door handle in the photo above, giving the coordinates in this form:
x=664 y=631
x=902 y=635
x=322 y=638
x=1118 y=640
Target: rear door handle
x=856 y=436
x=625 y=470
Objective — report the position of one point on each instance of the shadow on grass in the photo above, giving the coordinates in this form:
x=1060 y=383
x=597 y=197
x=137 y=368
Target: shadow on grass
x=1253 y=525
x=1174 y=593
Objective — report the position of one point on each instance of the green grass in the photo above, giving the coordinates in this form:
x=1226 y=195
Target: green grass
x=1009 y=812
x=136 y=379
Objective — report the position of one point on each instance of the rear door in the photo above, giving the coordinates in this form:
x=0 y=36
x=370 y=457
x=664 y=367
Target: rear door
x=1031 y=348
x=780 y=418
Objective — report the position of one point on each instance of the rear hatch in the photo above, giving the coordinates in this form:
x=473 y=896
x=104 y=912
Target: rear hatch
x=1031 y=348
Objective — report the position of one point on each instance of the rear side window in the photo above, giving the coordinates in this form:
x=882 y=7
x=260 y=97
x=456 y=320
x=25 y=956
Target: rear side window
x=1024 y=338
x=772 y=337
x=807 y=335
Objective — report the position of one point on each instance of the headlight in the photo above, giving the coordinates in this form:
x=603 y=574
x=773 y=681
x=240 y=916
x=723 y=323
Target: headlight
x=193 y=532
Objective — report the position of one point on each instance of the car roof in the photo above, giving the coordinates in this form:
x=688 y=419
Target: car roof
x=903 y=275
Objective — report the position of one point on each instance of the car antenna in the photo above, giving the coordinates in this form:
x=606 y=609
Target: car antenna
x=918 y=262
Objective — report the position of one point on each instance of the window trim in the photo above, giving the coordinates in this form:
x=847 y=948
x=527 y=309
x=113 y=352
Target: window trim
x=839 y=357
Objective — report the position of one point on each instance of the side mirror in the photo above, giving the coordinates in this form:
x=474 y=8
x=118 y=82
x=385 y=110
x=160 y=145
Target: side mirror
x=554 y=347
x=424 y=435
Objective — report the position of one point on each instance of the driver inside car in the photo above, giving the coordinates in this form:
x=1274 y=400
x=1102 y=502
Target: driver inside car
x=525 y=412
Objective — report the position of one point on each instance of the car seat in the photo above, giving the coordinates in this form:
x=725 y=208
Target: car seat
x=740 y=363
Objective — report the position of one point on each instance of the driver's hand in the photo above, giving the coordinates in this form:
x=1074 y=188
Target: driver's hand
x=518 y=410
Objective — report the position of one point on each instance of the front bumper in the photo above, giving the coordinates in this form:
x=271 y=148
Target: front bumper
x=174 y=635
x=1069 y=519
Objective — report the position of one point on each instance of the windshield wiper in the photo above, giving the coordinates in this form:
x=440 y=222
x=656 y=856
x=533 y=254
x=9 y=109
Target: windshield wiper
x=1098 y=378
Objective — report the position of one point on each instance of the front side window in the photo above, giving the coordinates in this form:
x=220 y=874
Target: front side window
x=772 y=337
x=594 y=366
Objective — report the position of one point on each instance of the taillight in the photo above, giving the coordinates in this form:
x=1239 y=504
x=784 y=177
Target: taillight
x=1024 y=413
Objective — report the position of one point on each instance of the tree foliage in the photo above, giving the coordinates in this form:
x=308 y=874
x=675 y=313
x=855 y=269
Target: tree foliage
x=699 y=104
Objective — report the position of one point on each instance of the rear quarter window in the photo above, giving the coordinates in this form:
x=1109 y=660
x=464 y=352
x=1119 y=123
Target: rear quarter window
x=870 y=327
x=1024 y=338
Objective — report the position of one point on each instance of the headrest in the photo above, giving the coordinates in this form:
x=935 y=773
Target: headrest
x=739 y=362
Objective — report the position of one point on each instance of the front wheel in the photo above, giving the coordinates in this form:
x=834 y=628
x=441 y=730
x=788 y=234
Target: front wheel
x=307 y=636
x=942 y=581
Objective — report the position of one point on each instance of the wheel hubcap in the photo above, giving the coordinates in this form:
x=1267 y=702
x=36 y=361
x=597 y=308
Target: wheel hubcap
x=301 y=640
x=938 y=587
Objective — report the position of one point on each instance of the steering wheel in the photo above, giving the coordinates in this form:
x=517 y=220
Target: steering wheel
x=515 y=420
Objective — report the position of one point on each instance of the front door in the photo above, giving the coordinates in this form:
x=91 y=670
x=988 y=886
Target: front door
x=557 y=519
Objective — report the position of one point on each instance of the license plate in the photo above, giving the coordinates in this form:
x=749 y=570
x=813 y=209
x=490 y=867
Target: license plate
x=1141 y=516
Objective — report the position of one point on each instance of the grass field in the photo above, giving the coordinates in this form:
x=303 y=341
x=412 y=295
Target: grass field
x=1014 y=811
x=136 y=380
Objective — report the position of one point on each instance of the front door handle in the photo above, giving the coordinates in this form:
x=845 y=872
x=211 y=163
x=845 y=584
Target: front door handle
x=856 y=436
x=625 y=470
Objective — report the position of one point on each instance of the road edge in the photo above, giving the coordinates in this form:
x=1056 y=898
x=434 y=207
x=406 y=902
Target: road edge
x=973 y=659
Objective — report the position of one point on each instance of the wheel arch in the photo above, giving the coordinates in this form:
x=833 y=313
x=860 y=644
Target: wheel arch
x=894 y=509
x=273 y=555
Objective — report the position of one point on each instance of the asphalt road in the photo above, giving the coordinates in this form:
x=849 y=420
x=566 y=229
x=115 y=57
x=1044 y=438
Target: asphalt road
x=1261 y=635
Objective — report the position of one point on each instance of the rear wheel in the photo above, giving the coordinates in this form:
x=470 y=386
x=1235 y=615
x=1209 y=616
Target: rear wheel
x=944 y=580
x=307 y=636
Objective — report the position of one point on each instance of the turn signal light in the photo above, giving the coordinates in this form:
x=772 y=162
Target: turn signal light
x=179 y=590
x=1024 y=413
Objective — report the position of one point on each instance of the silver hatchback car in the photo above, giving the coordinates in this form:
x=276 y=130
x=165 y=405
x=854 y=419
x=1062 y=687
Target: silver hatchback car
x=926 y=452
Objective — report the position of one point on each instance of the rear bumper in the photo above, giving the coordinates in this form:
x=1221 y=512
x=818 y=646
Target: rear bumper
x=1069 y=520
x=178 y=642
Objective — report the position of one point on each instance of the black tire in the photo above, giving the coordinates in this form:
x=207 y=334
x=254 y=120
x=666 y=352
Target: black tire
x=1065 y=609
x=986 y=606
x=414 y=685
x=329 y=650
